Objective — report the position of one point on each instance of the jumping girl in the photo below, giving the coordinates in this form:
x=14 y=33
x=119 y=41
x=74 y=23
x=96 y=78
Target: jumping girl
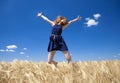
x=56 y=41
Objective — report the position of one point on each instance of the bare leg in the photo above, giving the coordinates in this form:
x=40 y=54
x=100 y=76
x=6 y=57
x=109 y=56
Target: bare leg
x=67 y=55
x=50 y=58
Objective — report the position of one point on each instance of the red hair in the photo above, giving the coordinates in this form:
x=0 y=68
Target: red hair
x=58 y=20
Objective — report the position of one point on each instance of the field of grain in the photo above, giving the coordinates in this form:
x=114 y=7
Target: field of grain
x=76 y=72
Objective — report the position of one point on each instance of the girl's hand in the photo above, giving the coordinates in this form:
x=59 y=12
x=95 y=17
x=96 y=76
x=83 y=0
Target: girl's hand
x=78 y=18
x=39 y=14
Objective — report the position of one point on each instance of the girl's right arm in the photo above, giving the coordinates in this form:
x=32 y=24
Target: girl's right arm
x=45 y=18
x=72 y=21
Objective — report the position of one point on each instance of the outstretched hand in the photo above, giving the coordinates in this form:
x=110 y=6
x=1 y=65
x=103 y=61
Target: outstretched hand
x=78 y=18
x=39 y=14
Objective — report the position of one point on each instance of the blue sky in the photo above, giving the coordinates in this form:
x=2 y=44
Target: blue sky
x=24 y=36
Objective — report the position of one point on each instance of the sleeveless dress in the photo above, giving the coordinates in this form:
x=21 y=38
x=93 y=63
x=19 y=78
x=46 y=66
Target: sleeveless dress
x=56 y=41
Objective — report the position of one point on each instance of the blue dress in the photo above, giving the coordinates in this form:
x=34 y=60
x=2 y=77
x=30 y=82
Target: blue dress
x=56 y=41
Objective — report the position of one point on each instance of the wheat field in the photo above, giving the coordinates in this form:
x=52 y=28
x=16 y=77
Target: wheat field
x=76 y=72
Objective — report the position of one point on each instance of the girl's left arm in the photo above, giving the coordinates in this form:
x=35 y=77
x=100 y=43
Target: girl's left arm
x=72 y=21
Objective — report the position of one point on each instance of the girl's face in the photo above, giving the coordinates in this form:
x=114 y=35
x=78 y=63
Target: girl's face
x=61 y=20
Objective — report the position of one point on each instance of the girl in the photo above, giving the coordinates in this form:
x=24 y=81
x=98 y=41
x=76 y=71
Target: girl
x=56 y=41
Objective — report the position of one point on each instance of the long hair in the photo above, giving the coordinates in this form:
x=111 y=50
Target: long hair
x=58 y=20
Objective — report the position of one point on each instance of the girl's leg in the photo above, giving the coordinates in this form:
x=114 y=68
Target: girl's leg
x=50 y=58
x=67 y=55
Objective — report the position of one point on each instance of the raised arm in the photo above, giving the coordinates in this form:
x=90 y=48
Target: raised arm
x=72 y=21
x=45 y=18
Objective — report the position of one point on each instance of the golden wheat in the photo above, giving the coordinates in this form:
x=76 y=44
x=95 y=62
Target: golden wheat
x=76 y=72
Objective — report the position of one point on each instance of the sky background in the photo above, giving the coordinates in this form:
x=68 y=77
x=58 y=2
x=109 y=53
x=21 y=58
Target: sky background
x=24 y=36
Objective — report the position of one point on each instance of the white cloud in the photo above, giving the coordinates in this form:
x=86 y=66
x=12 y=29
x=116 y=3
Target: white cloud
x=96 y=16
x=22 y=53
x=11 y=47
x=24 y=48
x=7 y=50
x=91 y=22
x=1 y=50
x=87 y=19
x=10 y=50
